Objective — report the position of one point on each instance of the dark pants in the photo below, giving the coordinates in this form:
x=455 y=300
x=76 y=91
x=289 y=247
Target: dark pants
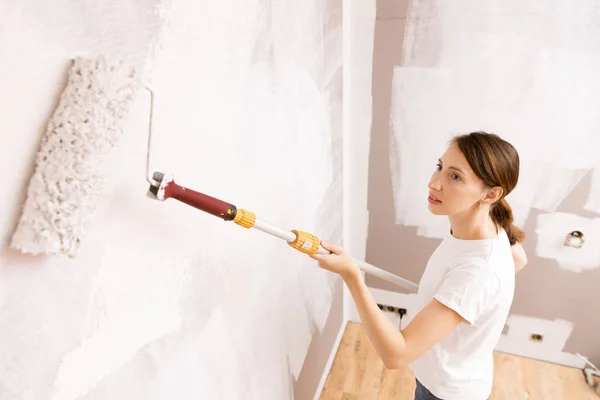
x=422 y=393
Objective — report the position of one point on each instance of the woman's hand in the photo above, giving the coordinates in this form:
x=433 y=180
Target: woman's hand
x=339 y=261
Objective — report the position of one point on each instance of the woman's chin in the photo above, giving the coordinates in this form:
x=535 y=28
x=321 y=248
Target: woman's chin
x=435 y=209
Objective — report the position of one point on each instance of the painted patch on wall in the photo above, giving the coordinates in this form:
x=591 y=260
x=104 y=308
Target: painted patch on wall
x=417 y=143
x=526 y=72
x=135 y=300
x=552 y=230
x=539 y=339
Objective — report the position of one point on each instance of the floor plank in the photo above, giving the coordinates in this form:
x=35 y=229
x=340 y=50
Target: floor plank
x=358 y=374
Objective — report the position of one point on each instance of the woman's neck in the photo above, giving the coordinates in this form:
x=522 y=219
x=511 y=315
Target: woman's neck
x=474 y=225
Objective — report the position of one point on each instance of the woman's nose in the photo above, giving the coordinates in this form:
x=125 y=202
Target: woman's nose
x=434 y=184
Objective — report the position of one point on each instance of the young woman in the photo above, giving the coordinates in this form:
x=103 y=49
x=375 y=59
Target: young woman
x=467 y=288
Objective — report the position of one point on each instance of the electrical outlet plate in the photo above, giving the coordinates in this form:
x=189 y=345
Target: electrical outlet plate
x=392 y=309
x=536 y=337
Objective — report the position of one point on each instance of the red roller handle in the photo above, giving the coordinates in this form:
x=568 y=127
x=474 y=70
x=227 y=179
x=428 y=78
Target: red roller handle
x=201 y=201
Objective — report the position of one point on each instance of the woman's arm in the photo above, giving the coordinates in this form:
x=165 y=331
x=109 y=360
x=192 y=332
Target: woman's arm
x=395 y=348
x=518 y=253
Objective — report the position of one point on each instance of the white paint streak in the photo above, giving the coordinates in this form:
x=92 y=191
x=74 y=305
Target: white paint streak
x=134 y=300
x=527 y=72
x=552 y=230
x=555 y=190
x=184 y=374
x=414 y=156
x=555 y=334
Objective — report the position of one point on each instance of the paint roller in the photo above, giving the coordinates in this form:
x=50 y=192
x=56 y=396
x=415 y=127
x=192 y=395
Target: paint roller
x=75 y=149
x=70 y=170
x=163 y=187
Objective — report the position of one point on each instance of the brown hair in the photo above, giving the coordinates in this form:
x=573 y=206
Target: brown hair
x=496 y=162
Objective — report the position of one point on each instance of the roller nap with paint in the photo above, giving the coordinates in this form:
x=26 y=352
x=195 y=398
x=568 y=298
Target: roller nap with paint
x=70 y=167
x=163 y=187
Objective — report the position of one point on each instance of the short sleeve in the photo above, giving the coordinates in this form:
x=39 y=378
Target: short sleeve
x=469 y=289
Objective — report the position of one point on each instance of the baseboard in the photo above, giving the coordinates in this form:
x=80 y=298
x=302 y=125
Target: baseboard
x=330 y=360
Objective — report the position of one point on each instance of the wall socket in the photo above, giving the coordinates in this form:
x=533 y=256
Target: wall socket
x=536 y=337
x=392 y=309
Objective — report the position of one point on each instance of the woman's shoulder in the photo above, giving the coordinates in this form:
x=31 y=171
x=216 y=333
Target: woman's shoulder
x=484 y=264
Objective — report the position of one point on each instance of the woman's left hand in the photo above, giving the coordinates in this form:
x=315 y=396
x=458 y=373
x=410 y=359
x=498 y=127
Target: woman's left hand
x=339 y=261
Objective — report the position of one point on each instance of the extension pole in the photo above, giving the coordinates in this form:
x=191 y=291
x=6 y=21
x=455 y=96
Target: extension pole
x=163 y=187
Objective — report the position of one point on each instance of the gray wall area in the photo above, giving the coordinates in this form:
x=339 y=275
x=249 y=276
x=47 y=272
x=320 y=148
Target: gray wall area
x=543 y=290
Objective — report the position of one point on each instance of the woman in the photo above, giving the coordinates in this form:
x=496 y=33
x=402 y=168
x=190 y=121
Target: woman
x=467 y=287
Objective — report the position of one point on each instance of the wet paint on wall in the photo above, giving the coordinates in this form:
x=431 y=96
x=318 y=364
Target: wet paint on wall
x=165 y=301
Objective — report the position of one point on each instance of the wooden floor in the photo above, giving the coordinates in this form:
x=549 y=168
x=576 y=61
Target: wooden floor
x=358 y=373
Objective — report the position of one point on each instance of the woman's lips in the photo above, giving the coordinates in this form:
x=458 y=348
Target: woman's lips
x=433 y=200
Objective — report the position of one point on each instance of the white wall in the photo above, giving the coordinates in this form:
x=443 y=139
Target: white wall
x=165 y=301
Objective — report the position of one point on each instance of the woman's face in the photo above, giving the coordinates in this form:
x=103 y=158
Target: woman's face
x=454 y=188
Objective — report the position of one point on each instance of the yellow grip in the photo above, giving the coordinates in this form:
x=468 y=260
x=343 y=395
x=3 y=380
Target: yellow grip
x=305 y=242
x=245 y=218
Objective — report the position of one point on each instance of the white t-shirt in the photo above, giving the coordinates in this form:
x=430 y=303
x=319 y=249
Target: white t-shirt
x=476 y=278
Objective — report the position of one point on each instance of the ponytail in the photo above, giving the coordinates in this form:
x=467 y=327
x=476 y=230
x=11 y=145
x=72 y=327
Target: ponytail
x=502 y=214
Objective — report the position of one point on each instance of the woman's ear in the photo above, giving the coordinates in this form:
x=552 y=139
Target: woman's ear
x=494 y=194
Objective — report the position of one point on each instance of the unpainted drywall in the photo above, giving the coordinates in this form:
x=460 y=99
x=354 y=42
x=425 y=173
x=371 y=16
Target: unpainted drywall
x=555 y=285
x=164 y=301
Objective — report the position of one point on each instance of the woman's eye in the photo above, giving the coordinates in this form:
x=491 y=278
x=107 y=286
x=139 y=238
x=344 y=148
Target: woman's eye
x=439 y=167
x=455 y=177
